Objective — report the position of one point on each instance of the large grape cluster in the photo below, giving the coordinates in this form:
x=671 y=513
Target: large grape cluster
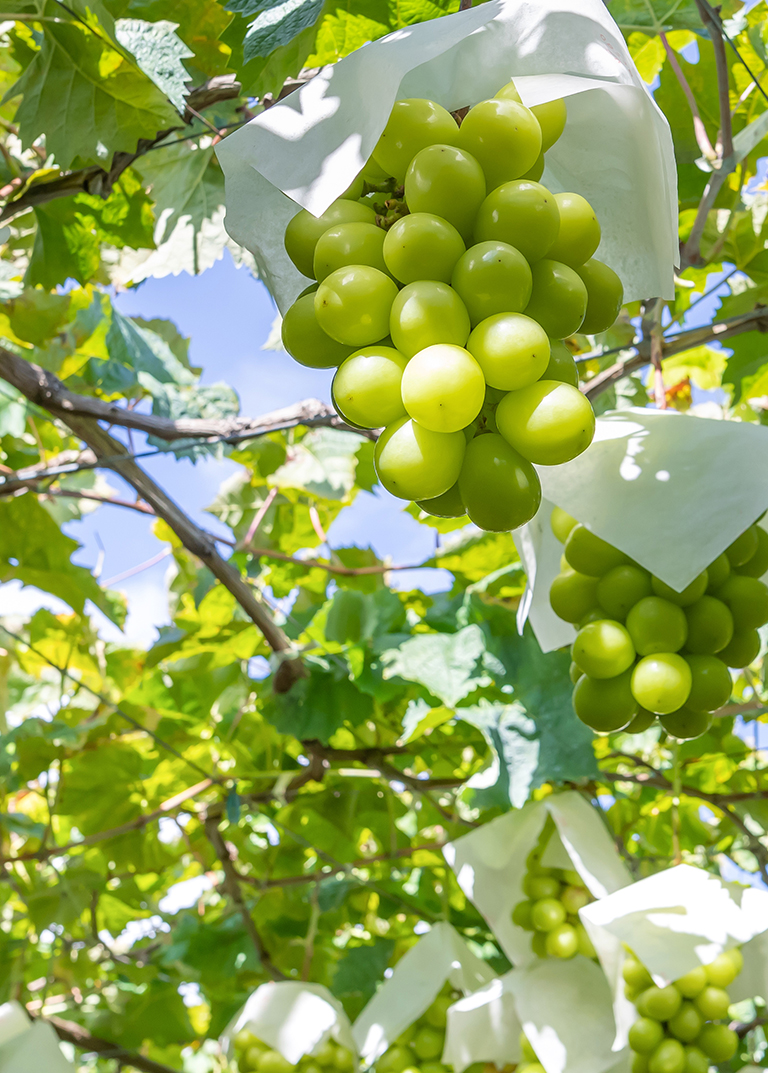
x=420 y=1048
x=447 y=278
x=554 y=897
x=255 y=1056
x=678 y=1030
x=644 y=650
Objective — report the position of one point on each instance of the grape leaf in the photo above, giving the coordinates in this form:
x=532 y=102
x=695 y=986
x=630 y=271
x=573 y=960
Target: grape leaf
x=200 y=26
x=361 y=968
x=158 y=51
x=319 y=705
x=655 y=15
x=278 y=25
x=449 y=665
x=193 y=400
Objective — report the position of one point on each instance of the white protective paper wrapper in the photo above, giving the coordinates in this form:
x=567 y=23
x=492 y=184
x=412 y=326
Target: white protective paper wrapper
x=616 y=149
x=292 y=1017
x=674 y=921
x=490 y=862
x=441 y=956
x=670 y=490
x=28 y=1047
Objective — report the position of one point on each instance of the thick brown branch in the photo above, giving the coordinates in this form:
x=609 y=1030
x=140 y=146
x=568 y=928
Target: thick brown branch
x=70 y=1032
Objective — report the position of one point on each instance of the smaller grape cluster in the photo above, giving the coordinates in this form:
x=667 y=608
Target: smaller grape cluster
x=644 y=650
x=447 y=277
x=680 y=1027
x=420 y=1048
x=550 y=911
x=255 y=1056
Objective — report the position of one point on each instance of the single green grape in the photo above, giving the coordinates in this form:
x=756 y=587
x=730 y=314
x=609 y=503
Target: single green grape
x=603 y=649
x=503 y=136
x=447 y=505
x=305 y=340
x=521 y=915
x=621 y=588
x=558 y=298
x=353 y=305
x=574 y=672
x=448 y=182
x=757 y=564
x=718 y=1042
x=522 y=213
x=509 y=92
x=374 y=174
x=490 y=278
x=426 y=313
x=687 y=1023
x=635 y=974
x=511 y=349
x=443 y=388
x=669 y=1057
x=605 y=296
x=547 y=913
x=548 y=422
x=747 y=600
x=355 y=189
x=562 y=941
x=590 y=554
x=366 y=388
x=718 y=572
x=660 y=1003
x=561 y=365
x=304 y=230
x=725 y=968
x=742 y=649
x=645 y=1035
x=395 y=1060
x=500 y=488
x=428 y=1043
x=541 y=887
x=579 y=234
x=710 y=626
x=713 y=1003
x=436 y=1014
x=575 y=898
x=586 y=949
x=604 y=704
x=689 y=595
x=743 y=547
x=686 y=724
x=536 y=170
x=656 y=625
x=695 y=1061
x=572 y=595
x=273 y=1062
x=552 y=117
x=422 y=246
x=710 y=683
x=693 y=983
x=349 y=244
x=561 y=524
x=661 y=682
x=413 y=125
x=639 y=1063
x=415 y=463
x=642 y=722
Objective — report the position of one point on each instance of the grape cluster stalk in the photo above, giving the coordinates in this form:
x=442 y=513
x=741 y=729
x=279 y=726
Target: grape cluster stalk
x=446 y=279
x=254 y=1056
x=679 y=1028
x=646 y=651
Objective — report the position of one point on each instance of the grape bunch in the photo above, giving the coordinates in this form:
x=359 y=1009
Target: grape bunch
x=254 y=1056
x=420 y=1048
x=550 y=911
x=644 y=650
x=446 y=279
x=678 y=1030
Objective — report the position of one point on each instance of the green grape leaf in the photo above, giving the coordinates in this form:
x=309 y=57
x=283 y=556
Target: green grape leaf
x=144 y=352
x=747 y=363
x=655 y=16
x=319 y=705
x=361 y=968
x=449 y=665
x=210 y=401
x=200 y=26
x=279 y=25
x=64 y=247
x=158 y=51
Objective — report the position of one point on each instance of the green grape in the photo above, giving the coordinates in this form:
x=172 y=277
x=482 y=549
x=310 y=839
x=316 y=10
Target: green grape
x=536 y=170
x=561 y=364
x=695 y=1061
x=509 y=92
x=304 y=230
x=579 y=234
x=743 y=548
x=639 y=1063
x=443 y=388
x=521 y=915
x=547 y=913
x=325 y=1055
x=757 y=564
x=742 y=649
x=448 y=182
x=710 y=683
x=305 y=340
x=645 y=1035
x=590 y=554
x=662 y=682
x=710 y=626
x=574 y=672
x=586 y=949
x=426 y=313
x=558 y=298
x=355 y=189
x=562 y=942
x=718 y=1042
x=689 y=595
x=539 y=947
x=686 y=724
x=366 y=387
x=492 y=277
x=621 y=588
x=656 y=625
x=693 y=983
x=686 y=1024
x=415 y=463
x=345 y=1060
x=394 y=1060
x=669 y=1057
x=353 y=305
x=747 y=600
x=642 y=722
x=551 y=117
x=595 y=615
x=541 y=886
x=503 y=136
x=500 y=488
x=547 y=422
x=603 y=649
x=572 y=595
x=718 y=572
x=561 y=524
x=523 y=214
x=448 y=505
x=307 y=1066
x=713 y=1003
x=511 y=349
x=273 y=1062
x=374 y=174
x=413 y=125
x=635 y=974
x=574 y=899
x=422 y=246
x=349 y=244
x=725 y=968
x=604 y=704
x=428 y=1043
x=605 y=295
x=660 y=1003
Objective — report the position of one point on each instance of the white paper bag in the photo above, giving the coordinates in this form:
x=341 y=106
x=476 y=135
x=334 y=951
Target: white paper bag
x=670 y=490
x=490 y=862
x=28 y=1047
x=441 y=956
x=293 y=1018
x=616 y=149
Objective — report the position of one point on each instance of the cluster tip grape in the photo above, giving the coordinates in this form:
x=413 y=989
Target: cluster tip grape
x=446 y=279
x=644 y=650
x=254 y=1056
